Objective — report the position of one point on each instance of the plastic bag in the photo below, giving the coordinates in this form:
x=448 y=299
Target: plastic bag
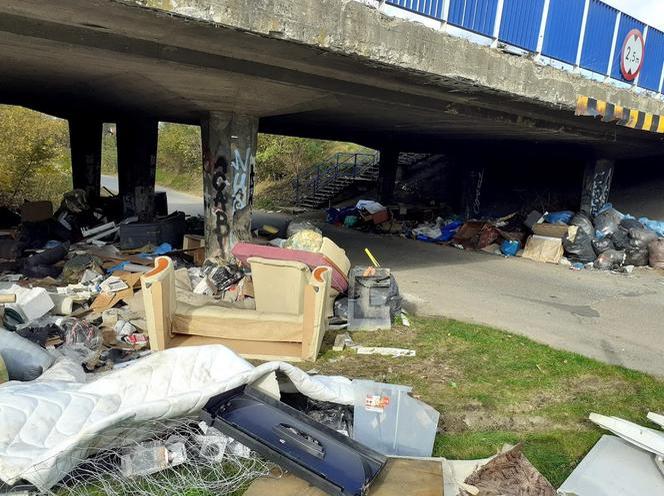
x=602 y=245
x=607 y=222
x=628 y=223
x=564 y=217
x=656 y=249
x=510 y=247
x=610 y=259
x=653 y=225
x=583 y=223
x=641 y=238
x=581 y=249
x=639 y=257
x=305 y=240
x=81 y=336
x=24 y=360
x=341 y=308
x=304 y=225
x=620 y=239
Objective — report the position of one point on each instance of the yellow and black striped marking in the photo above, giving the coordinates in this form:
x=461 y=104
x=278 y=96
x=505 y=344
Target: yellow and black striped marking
x=623 y=116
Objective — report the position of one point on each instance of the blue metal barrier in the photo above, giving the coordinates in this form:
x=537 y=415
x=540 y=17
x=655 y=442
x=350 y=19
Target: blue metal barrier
x=521 y=23
x=474 y=15
x=598 y=37
x=651 y=74
x=582 y=33
x=563 y=30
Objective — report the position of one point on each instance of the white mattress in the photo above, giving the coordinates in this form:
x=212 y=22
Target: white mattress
x=47 y=426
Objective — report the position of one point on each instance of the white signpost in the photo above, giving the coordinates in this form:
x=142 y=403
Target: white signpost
x=631 y=57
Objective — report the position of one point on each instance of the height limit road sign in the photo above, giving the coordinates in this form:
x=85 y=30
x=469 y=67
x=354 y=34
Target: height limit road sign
x=631 y=57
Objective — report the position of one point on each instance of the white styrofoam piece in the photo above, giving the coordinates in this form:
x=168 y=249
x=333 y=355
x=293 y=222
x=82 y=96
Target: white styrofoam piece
x=30 y=303
x=614 y=467
x=643 y=437
x=656 y=418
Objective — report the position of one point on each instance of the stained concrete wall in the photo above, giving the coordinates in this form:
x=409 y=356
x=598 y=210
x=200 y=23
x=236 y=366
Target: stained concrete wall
x=357 y=30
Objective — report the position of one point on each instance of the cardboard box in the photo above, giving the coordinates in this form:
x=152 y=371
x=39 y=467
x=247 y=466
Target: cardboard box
x=551 y=230
x=36 y=211
x=544 y=249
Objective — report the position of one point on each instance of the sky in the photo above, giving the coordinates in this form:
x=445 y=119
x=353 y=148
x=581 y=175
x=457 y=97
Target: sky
x=649 y=11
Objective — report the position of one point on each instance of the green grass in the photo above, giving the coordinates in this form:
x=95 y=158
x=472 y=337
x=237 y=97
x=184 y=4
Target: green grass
x=492 y=387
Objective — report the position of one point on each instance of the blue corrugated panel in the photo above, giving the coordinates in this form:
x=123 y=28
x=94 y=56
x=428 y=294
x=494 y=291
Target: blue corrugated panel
x=430 y=8
x=627 y=23
x=599 y=36
x=474 y=15
x=521 y=23
x=563 y=30
x=651 y=73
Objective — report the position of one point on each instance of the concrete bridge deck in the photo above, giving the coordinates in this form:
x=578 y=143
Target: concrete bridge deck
x=333 y=69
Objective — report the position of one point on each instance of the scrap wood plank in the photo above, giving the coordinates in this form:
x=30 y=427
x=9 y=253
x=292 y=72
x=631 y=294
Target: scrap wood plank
x=400 y=477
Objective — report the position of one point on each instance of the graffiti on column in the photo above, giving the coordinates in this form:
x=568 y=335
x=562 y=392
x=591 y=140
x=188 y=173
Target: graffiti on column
x=478 y=192
x=243 y=169
x=218 y=199
x=601 y=186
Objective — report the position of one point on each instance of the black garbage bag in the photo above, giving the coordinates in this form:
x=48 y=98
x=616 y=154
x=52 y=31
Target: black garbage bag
x=581 y=249
x=639 y=257
x=641 y=237
x=602 y=245
x=610 y=259
x=341 y=308
x=43 y=264
x=607 y=221
x=620 y=239
x=628 y=224
x=583 y=222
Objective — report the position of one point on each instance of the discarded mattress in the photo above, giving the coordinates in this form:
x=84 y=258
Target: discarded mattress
x=51 y=424
x=615 y=467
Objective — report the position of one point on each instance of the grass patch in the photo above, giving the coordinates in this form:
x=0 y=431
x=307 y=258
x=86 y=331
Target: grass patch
x=493 y=387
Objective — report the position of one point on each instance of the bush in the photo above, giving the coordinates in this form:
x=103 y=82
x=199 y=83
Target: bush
x=34 y=156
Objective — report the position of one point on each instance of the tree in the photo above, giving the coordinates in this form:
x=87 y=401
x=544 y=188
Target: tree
x=34 y=156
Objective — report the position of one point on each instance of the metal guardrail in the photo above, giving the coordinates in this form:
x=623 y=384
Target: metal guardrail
x=342 y=165
x=581 y=34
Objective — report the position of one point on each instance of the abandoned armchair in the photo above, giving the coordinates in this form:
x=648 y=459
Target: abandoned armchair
x=288 y=324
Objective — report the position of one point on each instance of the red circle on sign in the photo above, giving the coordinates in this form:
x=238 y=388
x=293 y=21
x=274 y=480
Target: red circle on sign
x=628 y=54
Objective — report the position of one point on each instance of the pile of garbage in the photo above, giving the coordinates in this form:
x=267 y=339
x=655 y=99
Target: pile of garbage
x=609 y=240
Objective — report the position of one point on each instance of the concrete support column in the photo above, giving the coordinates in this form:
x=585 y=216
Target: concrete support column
x=229 y=159
x=137 y=166
x=85 y=141
x=387 y=176
x=597 y=179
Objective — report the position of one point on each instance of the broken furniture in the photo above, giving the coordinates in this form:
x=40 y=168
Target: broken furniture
x=320 y=455
x=328 y=255
x=288 y=324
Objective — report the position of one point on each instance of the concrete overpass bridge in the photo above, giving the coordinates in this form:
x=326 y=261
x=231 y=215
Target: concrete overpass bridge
x=330 y=69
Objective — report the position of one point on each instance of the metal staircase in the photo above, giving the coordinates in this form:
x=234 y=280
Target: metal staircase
x=318 y=185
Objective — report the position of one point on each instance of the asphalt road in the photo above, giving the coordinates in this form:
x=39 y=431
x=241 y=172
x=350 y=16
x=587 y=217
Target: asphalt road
x=189 y=204
x=614 y=318
x=617 y=319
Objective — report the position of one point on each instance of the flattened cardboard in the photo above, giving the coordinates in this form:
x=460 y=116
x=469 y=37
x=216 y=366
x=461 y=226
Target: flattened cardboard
x=400 y=477
x=544 y=249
